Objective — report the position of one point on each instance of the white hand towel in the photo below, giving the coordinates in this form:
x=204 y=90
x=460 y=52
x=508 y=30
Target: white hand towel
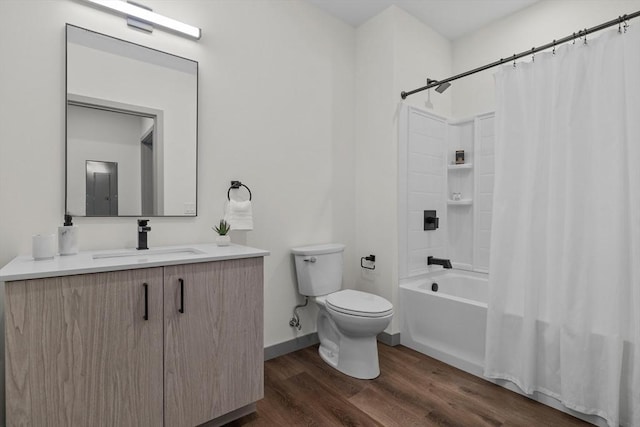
x=239 y=215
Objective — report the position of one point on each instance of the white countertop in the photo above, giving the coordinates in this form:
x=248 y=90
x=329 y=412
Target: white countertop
x=25 y=267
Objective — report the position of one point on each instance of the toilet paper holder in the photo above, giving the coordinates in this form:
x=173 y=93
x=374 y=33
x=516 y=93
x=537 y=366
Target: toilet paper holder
x=370 y=258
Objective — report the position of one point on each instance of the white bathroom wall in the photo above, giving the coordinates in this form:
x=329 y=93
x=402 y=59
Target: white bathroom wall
x=276 y=111
x=534 y=26
x=420 y=52
x=394 y=51
x=374 y=209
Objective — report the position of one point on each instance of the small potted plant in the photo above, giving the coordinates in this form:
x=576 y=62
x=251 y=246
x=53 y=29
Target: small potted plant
x=223 y=229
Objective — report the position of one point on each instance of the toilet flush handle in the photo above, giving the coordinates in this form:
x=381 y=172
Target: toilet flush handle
x=311 y=259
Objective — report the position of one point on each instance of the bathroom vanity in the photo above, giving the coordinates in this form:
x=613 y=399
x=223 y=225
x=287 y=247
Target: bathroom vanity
x=171 y=337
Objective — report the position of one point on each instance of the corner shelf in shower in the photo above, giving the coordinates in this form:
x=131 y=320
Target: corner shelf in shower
x=462 y=202
x=460 y=167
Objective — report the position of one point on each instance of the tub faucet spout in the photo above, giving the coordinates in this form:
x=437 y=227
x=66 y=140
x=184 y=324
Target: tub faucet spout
x=439 y=261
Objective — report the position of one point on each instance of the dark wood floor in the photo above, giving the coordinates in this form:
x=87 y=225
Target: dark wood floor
x=412 y=390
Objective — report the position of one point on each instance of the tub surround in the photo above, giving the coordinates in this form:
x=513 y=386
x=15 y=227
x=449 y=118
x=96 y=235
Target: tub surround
x=173 y=334
x=25 y=267
x=460 y=193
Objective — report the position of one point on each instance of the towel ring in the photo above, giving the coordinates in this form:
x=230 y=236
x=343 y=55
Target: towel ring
x=234 y=186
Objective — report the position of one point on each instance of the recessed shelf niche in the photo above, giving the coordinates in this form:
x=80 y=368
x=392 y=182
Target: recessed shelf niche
x=460 y=186
x=469 y=218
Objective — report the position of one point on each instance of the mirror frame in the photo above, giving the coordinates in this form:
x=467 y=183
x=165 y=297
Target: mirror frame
x=72 y=99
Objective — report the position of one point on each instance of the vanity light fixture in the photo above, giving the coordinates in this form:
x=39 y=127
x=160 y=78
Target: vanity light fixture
x=131 y=10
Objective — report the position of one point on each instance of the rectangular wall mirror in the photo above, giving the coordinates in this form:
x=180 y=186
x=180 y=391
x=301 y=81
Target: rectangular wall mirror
x=132 y=128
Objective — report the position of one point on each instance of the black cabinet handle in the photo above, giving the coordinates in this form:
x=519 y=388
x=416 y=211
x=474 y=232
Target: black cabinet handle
x=181 y=309
x=146 y=301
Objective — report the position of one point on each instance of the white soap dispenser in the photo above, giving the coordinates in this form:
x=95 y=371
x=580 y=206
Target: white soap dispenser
x=68 y=237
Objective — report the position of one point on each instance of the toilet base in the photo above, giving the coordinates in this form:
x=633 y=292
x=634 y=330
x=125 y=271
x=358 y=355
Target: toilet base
x=329 y=356
x=356 y=357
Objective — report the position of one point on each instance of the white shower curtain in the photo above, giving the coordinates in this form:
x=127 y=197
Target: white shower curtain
x=564 y=305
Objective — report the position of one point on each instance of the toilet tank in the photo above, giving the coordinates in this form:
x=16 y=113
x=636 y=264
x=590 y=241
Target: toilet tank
x=319 y=268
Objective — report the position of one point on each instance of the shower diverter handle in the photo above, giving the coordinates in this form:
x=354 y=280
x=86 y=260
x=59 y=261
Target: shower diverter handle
x=311 y=259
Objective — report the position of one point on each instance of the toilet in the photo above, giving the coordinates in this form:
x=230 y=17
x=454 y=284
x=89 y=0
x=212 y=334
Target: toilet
x=348 y=320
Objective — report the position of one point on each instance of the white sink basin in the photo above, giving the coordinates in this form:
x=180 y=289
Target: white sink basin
x=149 y=253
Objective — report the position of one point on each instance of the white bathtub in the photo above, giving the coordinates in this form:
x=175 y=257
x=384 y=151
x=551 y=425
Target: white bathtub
x=450 y=324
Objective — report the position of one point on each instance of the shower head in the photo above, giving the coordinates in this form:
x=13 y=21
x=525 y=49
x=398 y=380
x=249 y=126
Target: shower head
x=441 y=88
x=444 y=86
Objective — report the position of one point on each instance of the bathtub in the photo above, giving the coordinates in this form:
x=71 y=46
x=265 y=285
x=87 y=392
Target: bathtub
x=448 y=324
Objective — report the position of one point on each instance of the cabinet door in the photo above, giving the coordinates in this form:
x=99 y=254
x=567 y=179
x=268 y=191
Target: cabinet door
x=214 y=349
x=79 y=352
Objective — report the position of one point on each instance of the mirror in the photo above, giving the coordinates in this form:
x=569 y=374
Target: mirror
x=132 y=112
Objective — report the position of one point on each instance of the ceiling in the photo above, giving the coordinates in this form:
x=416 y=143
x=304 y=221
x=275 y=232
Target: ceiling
x=451 y=18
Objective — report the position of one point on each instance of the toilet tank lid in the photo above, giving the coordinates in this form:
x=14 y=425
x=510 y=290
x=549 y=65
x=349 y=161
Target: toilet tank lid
x=326 y=248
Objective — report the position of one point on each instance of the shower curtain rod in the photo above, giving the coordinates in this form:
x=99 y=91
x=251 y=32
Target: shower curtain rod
x=582 y=33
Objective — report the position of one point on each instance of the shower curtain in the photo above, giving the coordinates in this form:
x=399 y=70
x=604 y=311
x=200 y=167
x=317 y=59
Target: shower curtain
x=564 y=305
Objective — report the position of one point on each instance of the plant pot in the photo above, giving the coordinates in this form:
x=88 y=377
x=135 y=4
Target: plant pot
x=223 y=240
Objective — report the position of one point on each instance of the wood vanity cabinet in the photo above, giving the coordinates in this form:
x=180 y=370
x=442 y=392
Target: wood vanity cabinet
x=79 y=351
x=213 y=346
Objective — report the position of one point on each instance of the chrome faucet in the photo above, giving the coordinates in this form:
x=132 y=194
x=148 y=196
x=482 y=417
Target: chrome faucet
x=439 y=261
x=143 y=228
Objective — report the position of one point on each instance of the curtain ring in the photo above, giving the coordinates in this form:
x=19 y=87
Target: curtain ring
x=574 y=38
x=619 y=24
x=626 y=23
x=533 y=55
x=585 y=36
x=514 y=60
x=554 y=47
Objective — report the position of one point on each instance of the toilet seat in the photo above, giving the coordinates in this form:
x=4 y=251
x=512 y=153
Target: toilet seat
x=357 y=303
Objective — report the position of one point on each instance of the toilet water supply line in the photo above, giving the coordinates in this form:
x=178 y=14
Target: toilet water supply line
x=295 y=320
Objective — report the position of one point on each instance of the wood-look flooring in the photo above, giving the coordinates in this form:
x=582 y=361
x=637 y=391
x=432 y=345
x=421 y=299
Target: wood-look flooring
x=412 y=390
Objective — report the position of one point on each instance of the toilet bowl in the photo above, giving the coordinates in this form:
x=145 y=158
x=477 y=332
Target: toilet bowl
x=348 y=336
x=348 y=320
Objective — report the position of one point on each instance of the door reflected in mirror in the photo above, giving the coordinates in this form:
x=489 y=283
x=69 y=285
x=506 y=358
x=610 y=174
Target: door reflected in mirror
x=102 y=188
x=131 y=129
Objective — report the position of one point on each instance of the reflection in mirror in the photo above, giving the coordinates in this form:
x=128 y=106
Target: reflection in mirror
x=131 y=129
x=102 y=188
x=126 y=135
